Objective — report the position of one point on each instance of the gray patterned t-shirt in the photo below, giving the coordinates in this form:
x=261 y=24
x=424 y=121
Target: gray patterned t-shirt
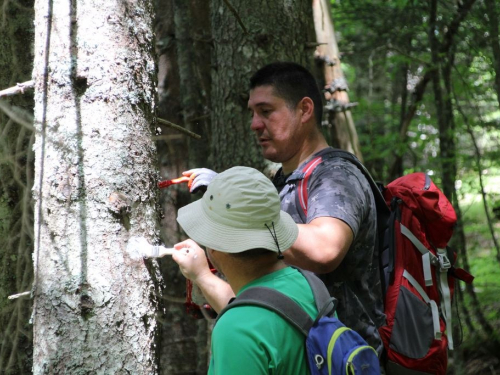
x=338 y=189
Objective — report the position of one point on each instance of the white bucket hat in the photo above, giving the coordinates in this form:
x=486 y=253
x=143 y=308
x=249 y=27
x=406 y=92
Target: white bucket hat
x=239 y=211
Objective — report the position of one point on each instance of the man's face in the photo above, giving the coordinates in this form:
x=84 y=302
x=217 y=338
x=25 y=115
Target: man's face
x=277 y=126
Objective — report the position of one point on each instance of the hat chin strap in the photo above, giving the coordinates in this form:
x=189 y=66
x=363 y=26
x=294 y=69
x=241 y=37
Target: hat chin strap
x=275 y=238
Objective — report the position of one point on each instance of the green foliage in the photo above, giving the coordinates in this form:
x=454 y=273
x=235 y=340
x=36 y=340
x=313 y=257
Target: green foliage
x=386 y=47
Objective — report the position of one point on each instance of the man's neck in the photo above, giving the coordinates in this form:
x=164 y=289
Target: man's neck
x=304 y=153
x=246 y=271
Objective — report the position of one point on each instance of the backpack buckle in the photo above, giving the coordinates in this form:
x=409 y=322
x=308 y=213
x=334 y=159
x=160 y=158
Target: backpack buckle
x=444 y=262
x=319 y=360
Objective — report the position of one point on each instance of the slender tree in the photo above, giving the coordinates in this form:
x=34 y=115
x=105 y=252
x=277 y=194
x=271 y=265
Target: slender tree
x=94 y=304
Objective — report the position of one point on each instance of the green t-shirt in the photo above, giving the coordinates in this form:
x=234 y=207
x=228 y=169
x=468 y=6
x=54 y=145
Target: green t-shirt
x=252 y=340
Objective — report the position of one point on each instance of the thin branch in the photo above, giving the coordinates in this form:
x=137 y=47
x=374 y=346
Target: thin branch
x=178 y=127
x=15 y=296
x=18 y=115
x=17 y=89
x=231 y=8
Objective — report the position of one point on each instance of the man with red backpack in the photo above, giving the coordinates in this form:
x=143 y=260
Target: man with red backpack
x=337 y=222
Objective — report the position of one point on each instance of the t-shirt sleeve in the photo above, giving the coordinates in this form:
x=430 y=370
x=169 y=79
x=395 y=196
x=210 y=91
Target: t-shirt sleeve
x=236 y=348
x=338 y=189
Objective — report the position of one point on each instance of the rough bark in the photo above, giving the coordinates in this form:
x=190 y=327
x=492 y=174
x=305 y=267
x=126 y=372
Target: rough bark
x=182 y=337
x=338 y=116
x=95 y=182
x=192 y=35
x=16 y=180
x=248 y=35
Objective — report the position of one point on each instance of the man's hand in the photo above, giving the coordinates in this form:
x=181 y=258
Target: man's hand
x=199 y=178
x=192 y=260
x=194 y=266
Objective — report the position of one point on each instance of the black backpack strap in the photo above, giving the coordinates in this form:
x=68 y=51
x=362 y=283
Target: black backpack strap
x=324 y=303
x=283 y=305
x=379 y=198
x=275 y=301
x=337 y=153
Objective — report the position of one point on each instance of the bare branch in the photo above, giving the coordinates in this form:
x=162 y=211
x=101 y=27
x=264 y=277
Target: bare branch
x=18 y=115
x=231 y=8
x=14 y=296
x=179 y=128
x=452 y=29
x=17 y=89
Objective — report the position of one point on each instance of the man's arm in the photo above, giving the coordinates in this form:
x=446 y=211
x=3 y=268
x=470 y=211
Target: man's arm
x=321 y=245
x=194 y=266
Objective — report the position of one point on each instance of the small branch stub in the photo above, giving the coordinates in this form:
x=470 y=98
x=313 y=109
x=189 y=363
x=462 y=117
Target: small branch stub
x=18 y=295
x=339 y=106
x=338 y=84
x=18 y=89
x=326 y=59
x=179 y=128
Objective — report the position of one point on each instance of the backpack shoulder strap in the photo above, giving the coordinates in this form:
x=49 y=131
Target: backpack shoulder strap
x=382 y=209
x=302 y=193
x=275 y=301
x=283 y=305
x=324 y=303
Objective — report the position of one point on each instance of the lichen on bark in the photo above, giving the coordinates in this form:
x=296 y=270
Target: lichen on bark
x=95 y=183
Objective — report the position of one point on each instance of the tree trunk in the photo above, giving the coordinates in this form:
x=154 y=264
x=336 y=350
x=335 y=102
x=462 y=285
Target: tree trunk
x=192 y=34
x=338 y=116
x=443 y=104
x=181 y=44
x=16 y=180
x=94 y=308
x=247 y=35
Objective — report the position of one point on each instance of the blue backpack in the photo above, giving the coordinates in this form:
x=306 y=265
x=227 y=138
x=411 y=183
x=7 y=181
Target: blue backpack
x=332 y=348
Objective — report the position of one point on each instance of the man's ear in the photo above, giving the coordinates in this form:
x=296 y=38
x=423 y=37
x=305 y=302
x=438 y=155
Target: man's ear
x=307 y=107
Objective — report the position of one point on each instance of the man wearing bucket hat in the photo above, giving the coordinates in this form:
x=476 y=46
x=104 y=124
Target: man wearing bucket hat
x=338 y=234
x=240 y=223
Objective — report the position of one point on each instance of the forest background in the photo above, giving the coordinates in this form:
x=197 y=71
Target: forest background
x=409 y=86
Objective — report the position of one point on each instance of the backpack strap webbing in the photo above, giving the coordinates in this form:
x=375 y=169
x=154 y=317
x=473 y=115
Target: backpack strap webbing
x=308 y=169
x=283 y=305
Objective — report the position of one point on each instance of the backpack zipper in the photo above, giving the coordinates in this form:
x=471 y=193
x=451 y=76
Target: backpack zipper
x=348 y=366
x=331 y=345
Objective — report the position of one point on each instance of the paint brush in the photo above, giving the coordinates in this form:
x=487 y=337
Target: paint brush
x=139 y=247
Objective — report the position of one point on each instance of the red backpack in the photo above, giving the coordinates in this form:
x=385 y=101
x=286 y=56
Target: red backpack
x=415 y=222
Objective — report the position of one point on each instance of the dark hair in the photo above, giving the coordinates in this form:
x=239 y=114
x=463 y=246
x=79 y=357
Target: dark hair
x=253 y=253
x=292 y=82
